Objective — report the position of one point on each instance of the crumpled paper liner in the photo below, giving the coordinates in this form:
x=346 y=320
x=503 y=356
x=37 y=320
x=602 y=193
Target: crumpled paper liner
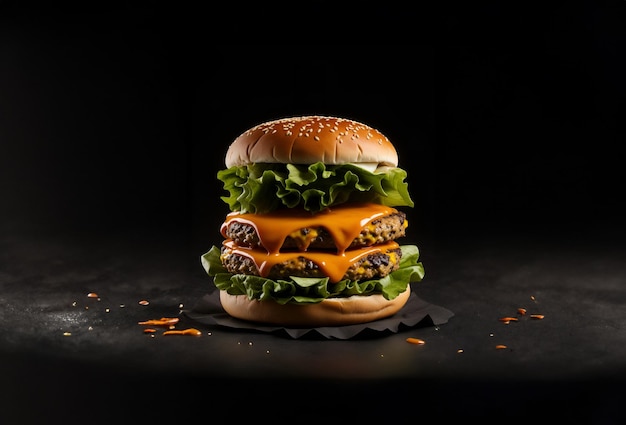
x=415 y=313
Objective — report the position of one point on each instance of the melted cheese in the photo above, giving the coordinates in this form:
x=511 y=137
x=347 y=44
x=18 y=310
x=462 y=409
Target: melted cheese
x=344 y=223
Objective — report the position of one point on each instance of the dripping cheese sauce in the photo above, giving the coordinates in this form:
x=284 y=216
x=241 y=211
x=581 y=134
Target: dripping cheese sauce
x=344 y=223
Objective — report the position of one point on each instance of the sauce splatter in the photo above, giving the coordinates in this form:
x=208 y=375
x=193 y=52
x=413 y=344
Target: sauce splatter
x=163 y=321
x=188 y=331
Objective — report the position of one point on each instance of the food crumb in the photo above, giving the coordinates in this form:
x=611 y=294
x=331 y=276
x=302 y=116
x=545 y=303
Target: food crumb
x=415 y=341
x=501 y=347
x=144 y=302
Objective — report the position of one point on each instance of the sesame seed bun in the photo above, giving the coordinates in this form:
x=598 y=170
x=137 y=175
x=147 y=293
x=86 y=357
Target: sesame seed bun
x=311 y=139
x=329 y=312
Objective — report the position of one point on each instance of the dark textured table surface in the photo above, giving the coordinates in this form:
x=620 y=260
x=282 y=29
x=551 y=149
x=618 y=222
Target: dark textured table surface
x=67 y=353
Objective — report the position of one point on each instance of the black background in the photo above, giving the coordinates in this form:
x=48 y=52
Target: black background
x=508 y=121
x=114 y=123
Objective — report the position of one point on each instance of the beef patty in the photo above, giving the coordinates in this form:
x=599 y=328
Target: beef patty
x=373 y=266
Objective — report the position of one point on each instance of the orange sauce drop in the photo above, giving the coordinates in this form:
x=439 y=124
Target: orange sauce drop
x=188 y=331
x=163 y=321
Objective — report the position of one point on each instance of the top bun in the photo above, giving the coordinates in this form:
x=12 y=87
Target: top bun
x=311 y=139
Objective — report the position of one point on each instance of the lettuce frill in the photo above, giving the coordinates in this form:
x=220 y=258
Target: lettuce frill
x=261 y=188
x=313 y=290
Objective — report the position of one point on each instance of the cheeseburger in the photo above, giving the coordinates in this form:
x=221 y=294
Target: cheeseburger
x=312 y=236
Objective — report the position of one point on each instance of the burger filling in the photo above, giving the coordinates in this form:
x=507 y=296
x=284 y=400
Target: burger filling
x=302 y=233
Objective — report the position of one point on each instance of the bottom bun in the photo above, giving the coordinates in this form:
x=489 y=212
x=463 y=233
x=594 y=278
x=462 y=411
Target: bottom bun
x=330 y=312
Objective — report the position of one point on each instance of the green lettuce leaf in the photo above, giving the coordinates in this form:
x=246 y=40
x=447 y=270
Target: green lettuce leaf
x=313 y=290
x=261 y=188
